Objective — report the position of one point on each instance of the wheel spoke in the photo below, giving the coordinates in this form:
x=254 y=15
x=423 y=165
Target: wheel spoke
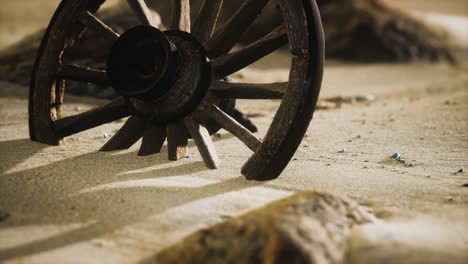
x=128 y=135
x=153 y=140
x=177 y=141
x=142 y=12
x=115 y=110
x=227 y=36
x=91 y=21
x=231 y=63
x=59 y=96
x=231 y=125
x=206 y=20
x=202 y=139
x=181 y=15
x=81 y=74
x=249 y=90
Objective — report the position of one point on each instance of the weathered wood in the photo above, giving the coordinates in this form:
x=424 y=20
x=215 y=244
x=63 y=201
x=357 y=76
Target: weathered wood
x=177 y=141
x=91 y=21
x=202 y=139
x=298 y=105
x=128 y=135
x=180 y=15
x=229 y=34
x=231 y=63
x=82 y=74
x=142 y=12
x=206 y=20
x=61 y=33
x=249 y=90
x=232 y=126
x=59 y=96
x=153 y=139
x=113 y=111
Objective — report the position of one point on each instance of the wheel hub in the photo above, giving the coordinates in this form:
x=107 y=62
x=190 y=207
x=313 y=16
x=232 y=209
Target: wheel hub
x=165 y=75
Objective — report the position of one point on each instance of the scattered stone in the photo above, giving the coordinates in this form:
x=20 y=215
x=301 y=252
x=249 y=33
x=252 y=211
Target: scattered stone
x=309 y=227
x=4 y=216
x=465 y=185
x=364 y=98
x=105 y=135
x=326 y=105
x=341 y=151
x=396 y=156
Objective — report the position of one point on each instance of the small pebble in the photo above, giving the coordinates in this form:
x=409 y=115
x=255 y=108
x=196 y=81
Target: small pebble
x=396 y=156
x=341 y=151
x=4 y=216
x=460 y=171
x=465 y=185
x=105 y=135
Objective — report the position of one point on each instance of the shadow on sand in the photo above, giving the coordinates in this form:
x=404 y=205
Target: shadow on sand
x=68 y=192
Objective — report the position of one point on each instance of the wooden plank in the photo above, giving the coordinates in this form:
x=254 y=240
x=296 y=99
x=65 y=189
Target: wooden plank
x=153 y=140
x=142 y=12
x=113 y=111
x=91 y=21
x=128 y=135
x=205 y=145
x=177 y=141
x=180 y=15
x=249 y=90
x=206 y=20
x=231 y=63
x=82 y=74
x=231 y=125
x=229 y=34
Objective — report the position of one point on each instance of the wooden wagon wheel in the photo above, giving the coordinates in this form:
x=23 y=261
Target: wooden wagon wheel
x=170 y=89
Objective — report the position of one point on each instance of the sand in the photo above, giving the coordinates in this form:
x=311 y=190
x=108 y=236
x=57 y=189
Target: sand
x=72 y=204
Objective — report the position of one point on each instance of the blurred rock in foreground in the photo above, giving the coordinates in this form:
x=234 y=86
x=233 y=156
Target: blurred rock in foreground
x=308 y=227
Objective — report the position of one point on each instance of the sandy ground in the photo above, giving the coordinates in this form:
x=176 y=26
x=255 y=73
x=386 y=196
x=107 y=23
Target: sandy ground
x=72 y=204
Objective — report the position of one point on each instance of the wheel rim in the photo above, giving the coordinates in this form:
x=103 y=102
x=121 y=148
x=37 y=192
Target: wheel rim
x=302 y=27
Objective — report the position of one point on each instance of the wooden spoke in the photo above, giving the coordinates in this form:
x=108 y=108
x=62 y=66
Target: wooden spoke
x=153 y=140
x=59 y=96
x=91 y=21
x=142 y=12
x=115 y=110
x=231 y=125
x=181 y=15
x=80 y=74
x=177 y=141
x=227 y=36
x=249 y=90
x=128 y=135
x=231 y=63
x=206 y=20
x=202 y=139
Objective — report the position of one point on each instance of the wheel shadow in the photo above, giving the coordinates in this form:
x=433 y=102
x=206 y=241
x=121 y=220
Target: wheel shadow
x=13 y=152
x=107 y=190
